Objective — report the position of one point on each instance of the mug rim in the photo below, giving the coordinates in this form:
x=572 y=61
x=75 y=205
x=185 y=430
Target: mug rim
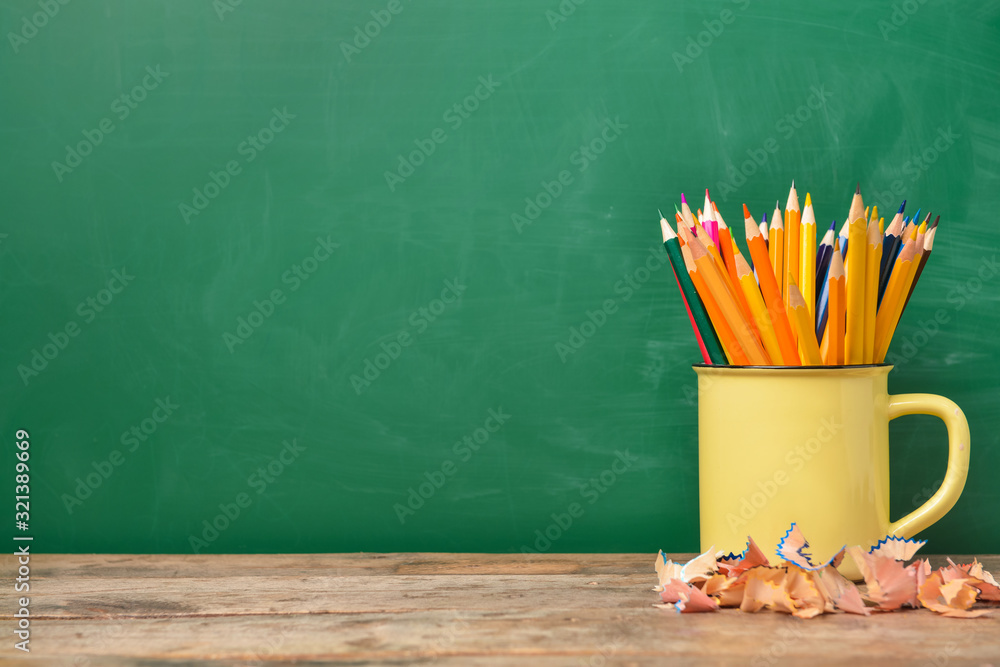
x=790 y=368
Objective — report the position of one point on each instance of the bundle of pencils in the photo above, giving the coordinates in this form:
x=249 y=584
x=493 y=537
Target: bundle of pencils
x=793 y=303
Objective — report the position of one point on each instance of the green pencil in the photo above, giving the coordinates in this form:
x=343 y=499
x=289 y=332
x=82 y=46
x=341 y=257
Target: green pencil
x=703 y=329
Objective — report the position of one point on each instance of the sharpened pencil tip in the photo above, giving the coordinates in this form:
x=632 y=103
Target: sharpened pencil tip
x=683 y=199
x=833 y=225
x=746 y=211
x=763 y=217
x=902 y=206
x=858 y=190
x=677 y=209
x=935 y=222
x=793 y=184
x=661 y=213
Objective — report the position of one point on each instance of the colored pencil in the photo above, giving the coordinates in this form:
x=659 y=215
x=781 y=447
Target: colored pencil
x=873 y=257
x=890 y=248
x=792 y=233
x=834 y=338
x=854 y=266
x=743 y=344
x=703 y=331
x=715 y=316
x=892 y=304
x=712 y=223
x=770 y=292
x=824 y=254
x=689 y=218
x=801 y=319
x=729 y=259
x=928 y=247
x=760 y=315
x=807 y=258
x=776 y=245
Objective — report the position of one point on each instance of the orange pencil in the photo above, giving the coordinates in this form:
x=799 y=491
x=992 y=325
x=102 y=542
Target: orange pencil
x=776 y=246
x=725 y=335
x=715 y=281
x=770 y=291
x=792 y=230
x=726 y=246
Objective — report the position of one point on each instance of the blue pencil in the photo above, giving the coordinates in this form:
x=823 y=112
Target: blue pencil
x=823 y=256
x=890 y=248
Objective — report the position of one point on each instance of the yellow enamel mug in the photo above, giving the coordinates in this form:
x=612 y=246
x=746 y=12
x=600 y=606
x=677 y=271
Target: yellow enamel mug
x=810 y=444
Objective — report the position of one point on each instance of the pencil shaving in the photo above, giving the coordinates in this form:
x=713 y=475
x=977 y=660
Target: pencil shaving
x=806 y=589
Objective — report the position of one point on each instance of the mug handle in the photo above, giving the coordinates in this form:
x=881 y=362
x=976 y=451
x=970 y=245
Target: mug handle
x=958 y=458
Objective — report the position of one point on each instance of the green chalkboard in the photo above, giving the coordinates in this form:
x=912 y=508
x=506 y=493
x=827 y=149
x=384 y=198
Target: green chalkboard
x=387 y=276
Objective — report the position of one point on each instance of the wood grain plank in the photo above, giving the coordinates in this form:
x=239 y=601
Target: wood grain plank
x=636 y=633
x=216 y=565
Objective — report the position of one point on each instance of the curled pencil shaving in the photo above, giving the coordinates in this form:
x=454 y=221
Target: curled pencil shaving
x=806 y=589
x=792 y=548
x=897 y=547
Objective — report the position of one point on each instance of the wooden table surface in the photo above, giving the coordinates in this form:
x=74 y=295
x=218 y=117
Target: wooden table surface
x=446 y=609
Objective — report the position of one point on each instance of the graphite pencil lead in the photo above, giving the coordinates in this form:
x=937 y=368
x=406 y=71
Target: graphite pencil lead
x=858 y=190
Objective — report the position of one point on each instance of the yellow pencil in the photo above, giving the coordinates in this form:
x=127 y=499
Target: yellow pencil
x=803 y=322
x=807 y=258
x=854 y=265
x=873 y=258
x=892 y=303
x=760 y=315
x=834 y=338
x=791 y=241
